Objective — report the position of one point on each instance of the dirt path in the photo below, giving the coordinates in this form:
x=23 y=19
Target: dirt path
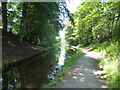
x=85 y=73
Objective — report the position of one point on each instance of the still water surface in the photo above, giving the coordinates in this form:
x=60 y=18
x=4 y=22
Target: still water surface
x=35 y=72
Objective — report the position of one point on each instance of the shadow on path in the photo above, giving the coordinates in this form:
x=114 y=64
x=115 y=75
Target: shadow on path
x=85 y=73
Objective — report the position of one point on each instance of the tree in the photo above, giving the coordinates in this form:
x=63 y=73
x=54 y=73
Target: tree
x=96 y=22
x=23 y=22
x=35 y=22
x=4 y=16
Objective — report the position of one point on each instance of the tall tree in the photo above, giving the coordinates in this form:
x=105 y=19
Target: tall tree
x=23 y=21
x=4 y=16
x=96 y=22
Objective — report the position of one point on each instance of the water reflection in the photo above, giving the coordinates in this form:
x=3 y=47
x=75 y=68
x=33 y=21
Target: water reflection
x=61 y=58
x=30 y=74
x=59 y=64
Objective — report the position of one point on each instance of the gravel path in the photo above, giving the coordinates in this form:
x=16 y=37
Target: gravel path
x=85 y=73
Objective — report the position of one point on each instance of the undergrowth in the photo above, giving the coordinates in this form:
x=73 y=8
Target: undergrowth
x=109 y=61
x=60 y=75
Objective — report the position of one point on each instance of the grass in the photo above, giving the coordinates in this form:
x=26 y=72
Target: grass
x=109 y=61
x=67 y=66
x=50 y=47
x=1 y=67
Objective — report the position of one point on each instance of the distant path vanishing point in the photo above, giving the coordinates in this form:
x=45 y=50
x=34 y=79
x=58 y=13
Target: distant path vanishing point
x=85 y=73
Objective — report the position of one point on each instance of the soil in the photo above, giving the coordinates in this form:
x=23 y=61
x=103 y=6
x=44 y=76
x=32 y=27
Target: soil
x=13 y=51
x=85 y=73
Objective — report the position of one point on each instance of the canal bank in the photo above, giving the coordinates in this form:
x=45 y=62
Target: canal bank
x=69 y=62
x=31 y=73
x=43 y=70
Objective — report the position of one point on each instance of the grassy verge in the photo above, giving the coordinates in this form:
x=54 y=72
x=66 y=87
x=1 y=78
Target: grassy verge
x=68 y=64
x=109 y=61
x=50 y=47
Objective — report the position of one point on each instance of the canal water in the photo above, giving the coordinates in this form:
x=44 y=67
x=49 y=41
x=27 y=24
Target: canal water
x=35 y=72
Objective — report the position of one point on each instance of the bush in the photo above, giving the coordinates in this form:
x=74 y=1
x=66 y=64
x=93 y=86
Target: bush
x=109 y=61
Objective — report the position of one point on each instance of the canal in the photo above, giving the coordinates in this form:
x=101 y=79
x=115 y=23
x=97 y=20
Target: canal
x=37 y=71
x=33 y=73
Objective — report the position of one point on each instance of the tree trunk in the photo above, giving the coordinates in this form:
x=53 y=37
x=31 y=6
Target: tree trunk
x=23 y=24
x=4 y=16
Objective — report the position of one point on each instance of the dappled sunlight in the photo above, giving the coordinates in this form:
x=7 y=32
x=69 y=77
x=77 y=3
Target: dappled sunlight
x=82 y=75
x=91 y=54
x=98 y=72
x=41 y=43
x=74 y=77
x=81 y=79
x=85 y=73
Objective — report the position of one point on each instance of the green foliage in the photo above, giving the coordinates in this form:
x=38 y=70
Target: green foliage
x=94 y=22
x=36 y=23
x=97 y=24
x=60 y=76
x=0 y=21
x=109 y=61
x=1 y=67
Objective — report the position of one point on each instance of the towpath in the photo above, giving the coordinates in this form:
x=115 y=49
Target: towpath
x=85 y=73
